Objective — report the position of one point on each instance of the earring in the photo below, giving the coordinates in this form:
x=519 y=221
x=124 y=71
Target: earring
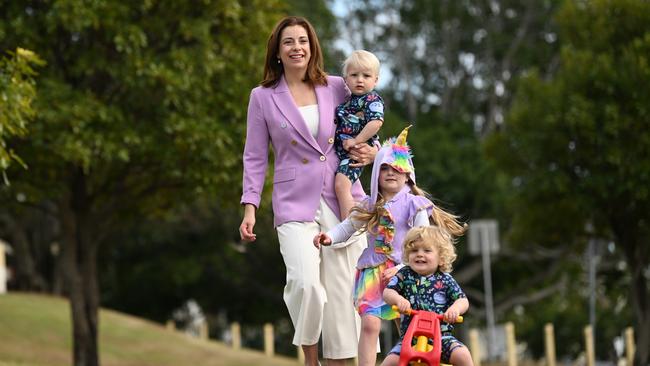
x=278 y=60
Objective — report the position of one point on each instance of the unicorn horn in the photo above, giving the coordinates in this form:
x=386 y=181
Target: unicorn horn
x=401 y=139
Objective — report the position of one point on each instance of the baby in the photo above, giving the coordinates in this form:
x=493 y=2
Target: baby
x=357 y=121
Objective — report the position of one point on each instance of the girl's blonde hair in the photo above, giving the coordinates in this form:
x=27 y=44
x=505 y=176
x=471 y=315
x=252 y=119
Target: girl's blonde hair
x=370 y=217
x=433 y=237
x=362 y=59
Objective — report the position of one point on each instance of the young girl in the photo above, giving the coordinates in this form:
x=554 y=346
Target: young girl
x=395 y=205
x=425 y=284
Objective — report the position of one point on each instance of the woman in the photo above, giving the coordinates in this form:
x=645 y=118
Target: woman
x=293 y=109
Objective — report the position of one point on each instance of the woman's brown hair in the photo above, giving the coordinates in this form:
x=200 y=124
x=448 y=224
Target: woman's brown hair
x=273 y=70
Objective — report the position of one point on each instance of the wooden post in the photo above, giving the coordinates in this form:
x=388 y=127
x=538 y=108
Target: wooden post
x=549 y=344
x=301 y=355
x=235 y=333
x=589 y=345
x=511 y=344
x=204 y=331
x=475 y=347
x=3 y=269
x=630 y=347
x=269 y=348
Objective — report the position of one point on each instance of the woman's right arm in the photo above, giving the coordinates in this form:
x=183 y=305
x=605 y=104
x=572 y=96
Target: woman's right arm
x=255 y=158
x=247 y=223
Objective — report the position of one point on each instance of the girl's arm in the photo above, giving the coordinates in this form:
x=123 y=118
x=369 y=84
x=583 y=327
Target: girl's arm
x=459 y=307
x=338 y=234
x=393 y=298
x=322 y=239
x=342 y=231
x=421 y=219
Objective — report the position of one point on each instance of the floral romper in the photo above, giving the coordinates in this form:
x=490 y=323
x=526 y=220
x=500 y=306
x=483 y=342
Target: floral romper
x=351 y=117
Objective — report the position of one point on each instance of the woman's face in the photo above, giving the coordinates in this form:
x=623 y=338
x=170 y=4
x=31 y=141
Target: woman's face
x=294 y=52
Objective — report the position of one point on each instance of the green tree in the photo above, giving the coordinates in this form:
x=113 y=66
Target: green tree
x=140 y=108
x=576 y=145
x=457 y=58
x=17 y=92
x=452 y=71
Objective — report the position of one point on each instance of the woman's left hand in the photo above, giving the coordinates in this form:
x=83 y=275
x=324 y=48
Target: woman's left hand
x=363 y=154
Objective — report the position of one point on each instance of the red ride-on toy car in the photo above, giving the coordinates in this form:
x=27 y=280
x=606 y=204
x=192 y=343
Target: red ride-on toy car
x=424 y=326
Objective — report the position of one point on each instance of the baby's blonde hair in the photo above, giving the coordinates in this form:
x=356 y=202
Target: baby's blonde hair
x=433 y=237
x=362 y=59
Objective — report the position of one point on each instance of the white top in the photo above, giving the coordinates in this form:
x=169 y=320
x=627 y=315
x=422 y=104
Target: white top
x=310 y=115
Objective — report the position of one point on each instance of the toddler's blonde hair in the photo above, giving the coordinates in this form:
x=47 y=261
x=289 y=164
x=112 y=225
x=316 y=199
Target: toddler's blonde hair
x=433 y=237
x=363 y=60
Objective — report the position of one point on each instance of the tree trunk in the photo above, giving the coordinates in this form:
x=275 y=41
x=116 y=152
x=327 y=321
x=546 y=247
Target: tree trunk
x=80 y=272
x=27 y=276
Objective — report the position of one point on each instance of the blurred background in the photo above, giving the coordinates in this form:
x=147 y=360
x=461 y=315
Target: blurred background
x=122 y=127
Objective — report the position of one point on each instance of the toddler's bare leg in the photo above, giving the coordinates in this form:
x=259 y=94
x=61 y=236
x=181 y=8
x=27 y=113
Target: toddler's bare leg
x=460 y=356
x=391 y=360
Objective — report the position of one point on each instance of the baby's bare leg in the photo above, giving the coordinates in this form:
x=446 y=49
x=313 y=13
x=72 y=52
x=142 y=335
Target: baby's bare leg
x=343 y=188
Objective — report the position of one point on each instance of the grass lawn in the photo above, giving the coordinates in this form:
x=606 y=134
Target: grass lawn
x=35 y=330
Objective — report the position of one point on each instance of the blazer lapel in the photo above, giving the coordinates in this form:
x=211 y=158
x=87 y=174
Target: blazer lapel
x=284 y=101
x=326 y=116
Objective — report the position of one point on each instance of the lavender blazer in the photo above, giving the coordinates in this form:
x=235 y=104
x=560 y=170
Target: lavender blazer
x=304 y=167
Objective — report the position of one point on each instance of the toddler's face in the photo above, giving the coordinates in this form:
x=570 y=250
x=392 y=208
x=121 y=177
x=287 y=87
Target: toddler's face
x=360 y=80
x=424 y=259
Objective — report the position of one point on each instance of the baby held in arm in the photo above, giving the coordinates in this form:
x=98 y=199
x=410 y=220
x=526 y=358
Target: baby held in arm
x=358 y=121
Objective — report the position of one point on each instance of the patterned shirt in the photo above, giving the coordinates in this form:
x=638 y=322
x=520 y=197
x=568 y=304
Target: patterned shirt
x=435 y=292
x=353 y=115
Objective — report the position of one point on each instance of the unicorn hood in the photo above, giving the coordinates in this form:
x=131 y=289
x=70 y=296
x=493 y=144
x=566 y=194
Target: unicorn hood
x=396 y=153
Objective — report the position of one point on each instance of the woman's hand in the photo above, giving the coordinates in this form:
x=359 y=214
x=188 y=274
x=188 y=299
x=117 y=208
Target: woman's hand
x=247 y=224
x=363 y=154
x=349 y=144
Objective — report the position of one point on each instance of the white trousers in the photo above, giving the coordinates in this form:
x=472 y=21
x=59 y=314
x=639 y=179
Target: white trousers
x=318 y=292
